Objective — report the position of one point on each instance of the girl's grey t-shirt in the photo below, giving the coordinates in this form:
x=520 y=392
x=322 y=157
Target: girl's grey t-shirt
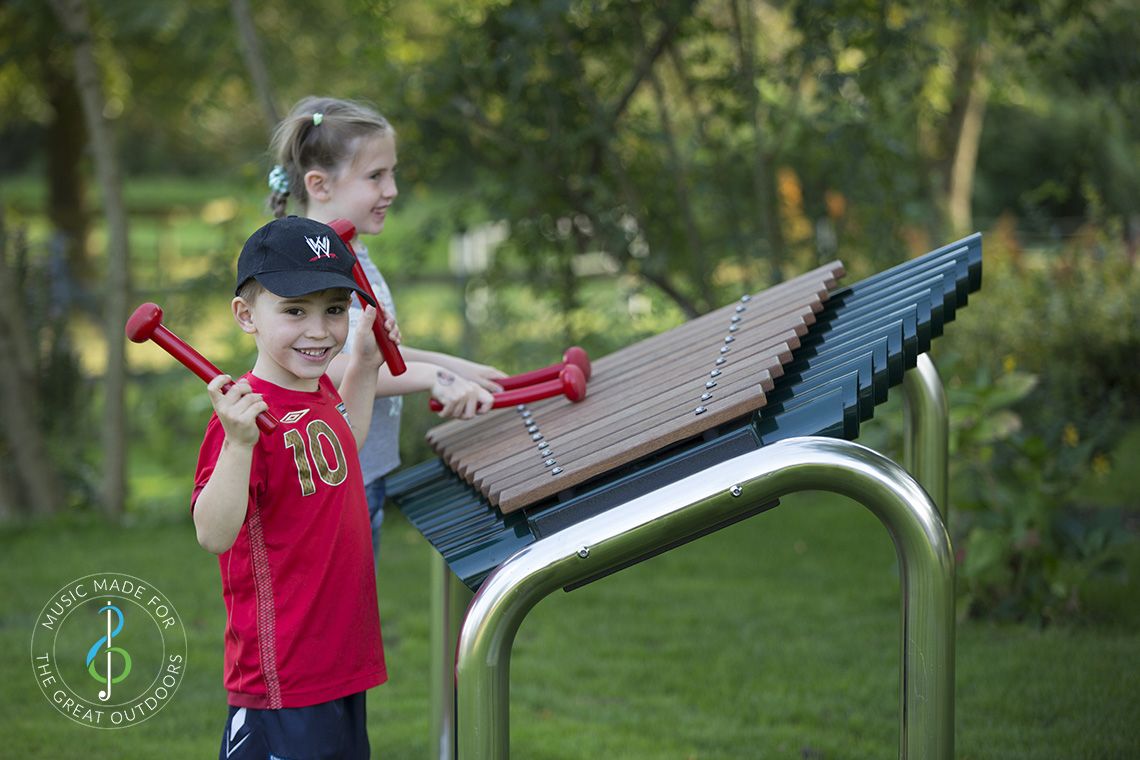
x=381 y=452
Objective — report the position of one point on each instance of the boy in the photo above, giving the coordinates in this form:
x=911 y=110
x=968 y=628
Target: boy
x=286 y=511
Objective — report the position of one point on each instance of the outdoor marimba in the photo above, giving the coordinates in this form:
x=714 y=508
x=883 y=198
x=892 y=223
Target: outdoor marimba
x=738 y=387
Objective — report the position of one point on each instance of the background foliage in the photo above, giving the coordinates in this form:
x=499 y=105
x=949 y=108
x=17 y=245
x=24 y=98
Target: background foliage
x=651 y=161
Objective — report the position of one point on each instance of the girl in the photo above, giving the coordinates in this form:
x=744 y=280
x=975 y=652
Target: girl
x=337 y=159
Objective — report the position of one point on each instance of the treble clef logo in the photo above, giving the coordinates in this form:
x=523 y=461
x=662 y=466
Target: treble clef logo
x=93 y=652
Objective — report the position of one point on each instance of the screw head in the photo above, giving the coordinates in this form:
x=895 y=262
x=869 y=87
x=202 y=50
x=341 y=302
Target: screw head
x=736 y=490
x=584 y=552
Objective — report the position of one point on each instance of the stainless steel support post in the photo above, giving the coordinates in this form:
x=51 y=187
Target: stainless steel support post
x=926 y=435
x=721 y=492
x=449 y=599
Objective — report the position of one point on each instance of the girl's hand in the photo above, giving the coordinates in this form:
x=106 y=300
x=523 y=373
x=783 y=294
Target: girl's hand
x=461 y=398
x=393 y=330
x=484 y=375
x=237 y=410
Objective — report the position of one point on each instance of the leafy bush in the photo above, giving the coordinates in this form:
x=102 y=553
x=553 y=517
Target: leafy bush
x=1036 y=418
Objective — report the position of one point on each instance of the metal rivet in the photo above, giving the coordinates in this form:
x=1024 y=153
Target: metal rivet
x=700 y=410
x=736 y=490
x=710 y=384
x=536 y=437
x=706 y=396
x=715 y=373
x=720 y=360
x=724 y=349
x=728 y=339
x=584 y=552
x=556 y=471
x=549 y=463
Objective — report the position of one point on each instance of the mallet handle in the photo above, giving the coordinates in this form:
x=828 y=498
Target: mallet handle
x=200 y=366
x=571 y=382
x=573 y=355
x=346 y=231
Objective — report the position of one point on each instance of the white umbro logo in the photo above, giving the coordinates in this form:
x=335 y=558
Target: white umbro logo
x=320 y=246
x=296 y=416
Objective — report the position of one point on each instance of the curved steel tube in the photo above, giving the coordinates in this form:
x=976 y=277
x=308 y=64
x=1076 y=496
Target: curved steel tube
x=926 y=434
x=718 y=493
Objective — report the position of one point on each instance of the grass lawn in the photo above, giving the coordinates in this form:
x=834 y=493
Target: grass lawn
x=776 y=638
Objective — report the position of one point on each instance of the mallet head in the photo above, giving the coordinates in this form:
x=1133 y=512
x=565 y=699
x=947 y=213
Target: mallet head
x=143 y=323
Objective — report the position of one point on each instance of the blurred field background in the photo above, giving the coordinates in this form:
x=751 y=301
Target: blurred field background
x=639 y=164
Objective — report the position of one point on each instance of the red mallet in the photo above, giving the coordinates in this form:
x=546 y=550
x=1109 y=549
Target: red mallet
x=146 y=324
x=571 y=382
x=346 y=231
x=574 y=355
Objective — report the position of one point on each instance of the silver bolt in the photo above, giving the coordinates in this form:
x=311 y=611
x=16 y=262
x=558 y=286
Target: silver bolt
x=584 y=552
x=736 y=490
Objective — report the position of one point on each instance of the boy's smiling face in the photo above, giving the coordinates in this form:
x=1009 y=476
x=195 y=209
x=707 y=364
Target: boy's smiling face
x=296 y=337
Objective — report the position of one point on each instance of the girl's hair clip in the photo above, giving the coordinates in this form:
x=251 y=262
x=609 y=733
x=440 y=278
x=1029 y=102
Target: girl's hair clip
x=318 y=118
x=279 y=180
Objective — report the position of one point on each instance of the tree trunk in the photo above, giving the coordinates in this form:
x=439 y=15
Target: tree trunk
x=960 y=182
x=254 y=60
x=66 y=140
x=29 y=479
x=763 y=178
x=73 y=17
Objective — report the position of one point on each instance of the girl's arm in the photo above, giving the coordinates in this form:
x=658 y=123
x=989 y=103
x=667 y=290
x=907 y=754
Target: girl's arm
x=483 y=374
x=462 y=396
x=220 y=508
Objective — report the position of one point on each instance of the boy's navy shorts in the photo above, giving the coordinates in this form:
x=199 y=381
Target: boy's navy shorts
x=333 y=729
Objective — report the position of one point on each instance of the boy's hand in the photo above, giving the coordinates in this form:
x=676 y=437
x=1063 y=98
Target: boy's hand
x=237 y=409
x=460 y=397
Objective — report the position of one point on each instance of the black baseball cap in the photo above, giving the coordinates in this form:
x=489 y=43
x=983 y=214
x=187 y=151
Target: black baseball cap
x=295 y=256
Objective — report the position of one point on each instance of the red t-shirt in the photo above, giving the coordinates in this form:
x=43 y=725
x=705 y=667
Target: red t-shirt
x=302 y=625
